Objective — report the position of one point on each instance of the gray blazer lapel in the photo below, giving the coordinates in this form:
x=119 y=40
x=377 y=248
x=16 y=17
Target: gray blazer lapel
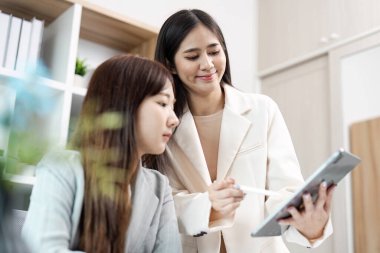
x=144 y=206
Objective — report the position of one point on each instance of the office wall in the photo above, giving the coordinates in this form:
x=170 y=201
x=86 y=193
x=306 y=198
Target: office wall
x=236 y=19
x=360 y=87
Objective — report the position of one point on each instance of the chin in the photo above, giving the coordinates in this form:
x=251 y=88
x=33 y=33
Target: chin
x=158 y=151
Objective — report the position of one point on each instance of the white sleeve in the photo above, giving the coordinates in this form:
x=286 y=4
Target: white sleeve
x=293 y=235
x=193 y=209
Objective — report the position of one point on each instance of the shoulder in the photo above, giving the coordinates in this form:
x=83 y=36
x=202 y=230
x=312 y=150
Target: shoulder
x=154 y=177
x=62 y=163
x=156 y=181
x=238 y=99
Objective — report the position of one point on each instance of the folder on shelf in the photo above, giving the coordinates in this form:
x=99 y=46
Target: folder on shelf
x=35 y=42
x=4 y=30
x=23 y=47
x=12 y=45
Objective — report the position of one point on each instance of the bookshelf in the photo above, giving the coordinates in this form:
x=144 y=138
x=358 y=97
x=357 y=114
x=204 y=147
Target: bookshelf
x=66 y=23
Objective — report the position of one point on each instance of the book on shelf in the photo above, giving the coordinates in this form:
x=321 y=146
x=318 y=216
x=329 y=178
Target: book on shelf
x=12 y=44
x=23 y=47
x=35 y=42
x=4 y=29
x=20 y=42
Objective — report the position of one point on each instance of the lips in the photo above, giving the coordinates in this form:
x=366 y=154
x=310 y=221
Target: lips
x=167 y=136
x=207 y=77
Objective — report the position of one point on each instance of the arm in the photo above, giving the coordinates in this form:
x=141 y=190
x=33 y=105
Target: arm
x=167 y=239
x=48 y=224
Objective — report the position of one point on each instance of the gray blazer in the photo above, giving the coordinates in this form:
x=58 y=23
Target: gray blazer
x=56 y=204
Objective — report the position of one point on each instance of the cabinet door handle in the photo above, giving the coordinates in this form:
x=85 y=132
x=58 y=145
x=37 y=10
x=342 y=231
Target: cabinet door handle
x=324 y=40
x=334 y=36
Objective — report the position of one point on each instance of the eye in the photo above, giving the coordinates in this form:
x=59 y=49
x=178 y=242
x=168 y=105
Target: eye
x=216 y=52
x=192 y=57
x=163 y=104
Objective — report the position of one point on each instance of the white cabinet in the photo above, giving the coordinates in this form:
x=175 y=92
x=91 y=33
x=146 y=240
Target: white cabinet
x=289 y=29
x=301 y=93
x=54 y=102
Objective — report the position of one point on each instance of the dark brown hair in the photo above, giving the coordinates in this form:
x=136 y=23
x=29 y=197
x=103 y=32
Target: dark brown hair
x=105 y=137
x=172 y=33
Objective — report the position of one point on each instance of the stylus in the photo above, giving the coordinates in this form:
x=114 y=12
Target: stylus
x=248 y=189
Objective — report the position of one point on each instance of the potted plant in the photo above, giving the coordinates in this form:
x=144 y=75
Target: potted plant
x=80 y=71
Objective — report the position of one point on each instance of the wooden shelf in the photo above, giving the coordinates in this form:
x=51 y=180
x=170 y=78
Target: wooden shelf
x=98 y=25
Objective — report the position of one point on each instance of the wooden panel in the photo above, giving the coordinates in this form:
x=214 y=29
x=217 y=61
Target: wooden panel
x=112 y=29
x=365 y=142
x=146 y=49
x=47 y=10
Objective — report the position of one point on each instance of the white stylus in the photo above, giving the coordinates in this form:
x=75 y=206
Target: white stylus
x=248 y=189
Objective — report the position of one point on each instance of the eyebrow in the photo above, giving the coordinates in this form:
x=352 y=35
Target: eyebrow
x=197 y=49
x=166 y=95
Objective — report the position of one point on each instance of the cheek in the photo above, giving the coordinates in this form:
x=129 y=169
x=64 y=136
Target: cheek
x=221 y=62
x=186 y=70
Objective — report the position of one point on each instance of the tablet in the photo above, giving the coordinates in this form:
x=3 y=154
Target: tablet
x=332 y=171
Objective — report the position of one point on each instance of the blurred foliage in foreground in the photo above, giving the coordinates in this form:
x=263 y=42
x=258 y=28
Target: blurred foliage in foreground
x=25 y=108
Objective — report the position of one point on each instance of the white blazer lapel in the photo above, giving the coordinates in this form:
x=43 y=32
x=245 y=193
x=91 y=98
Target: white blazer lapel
x=186 y=137
x=232 y=133
x=233 y=129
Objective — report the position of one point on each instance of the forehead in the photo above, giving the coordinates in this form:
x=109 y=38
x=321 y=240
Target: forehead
x=167 y=89
x=200 y=36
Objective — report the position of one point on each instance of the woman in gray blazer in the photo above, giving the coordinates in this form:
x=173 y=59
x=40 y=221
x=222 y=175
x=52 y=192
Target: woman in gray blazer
x=98 y=197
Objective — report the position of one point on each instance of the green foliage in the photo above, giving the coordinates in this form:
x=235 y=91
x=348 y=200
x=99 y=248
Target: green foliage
x=80 y=67
x=25 y=121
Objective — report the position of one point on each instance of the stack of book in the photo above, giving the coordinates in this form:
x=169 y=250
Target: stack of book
x=20 y=42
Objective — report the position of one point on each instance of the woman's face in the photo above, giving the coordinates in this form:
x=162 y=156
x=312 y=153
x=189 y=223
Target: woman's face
x=200 y=61
x=155 y=121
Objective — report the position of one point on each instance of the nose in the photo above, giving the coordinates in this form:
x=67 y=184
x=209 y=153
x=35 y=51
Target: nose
x=173 y=120
x=206 y=62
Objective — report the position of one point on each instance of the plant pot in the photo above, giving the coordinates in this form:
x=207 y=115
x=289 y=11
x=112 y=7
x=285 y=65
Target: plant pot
x=79 y=81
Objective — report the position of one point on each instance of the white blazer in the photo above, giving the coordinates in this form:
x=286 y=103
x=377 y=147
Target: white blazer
x=256 y=150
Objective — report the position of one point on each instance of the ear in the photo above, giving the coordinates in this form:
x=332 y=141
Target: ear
x=173 y=70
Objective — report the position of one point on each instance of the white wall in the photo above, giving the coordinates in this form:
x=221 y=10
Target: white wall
x=237 y=20
x=360 y=88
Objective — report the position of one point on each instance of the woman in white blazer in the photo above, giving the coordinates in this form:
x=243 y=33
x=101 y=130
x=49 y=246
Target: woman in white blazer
x=227 y=137
x=99 y=199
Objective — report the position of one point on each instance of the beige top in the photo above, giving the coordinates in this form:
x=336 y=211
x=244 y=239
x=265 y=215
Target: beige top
x=208 y=128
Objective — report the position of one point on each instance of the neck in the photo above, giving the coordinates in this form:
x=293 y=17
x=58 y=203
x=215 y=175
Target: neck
x=206 y=105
